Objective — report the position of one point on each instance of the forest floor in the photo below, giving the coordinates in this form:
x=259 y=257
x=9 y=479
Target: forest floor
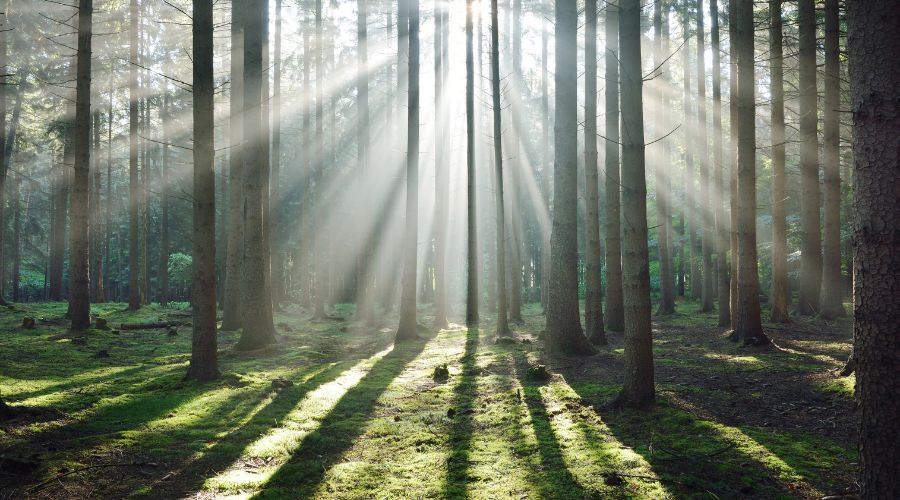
x=354 y=417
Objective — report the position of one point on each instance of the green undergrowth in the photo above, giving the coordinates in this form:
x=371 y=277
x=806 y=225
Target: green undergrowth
x=362 y=418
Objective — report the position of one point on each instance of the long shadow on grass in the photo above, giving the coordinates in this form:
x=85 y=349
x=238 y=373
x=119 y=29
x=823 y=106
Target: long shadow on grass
x=321 y=448
x=464 y=394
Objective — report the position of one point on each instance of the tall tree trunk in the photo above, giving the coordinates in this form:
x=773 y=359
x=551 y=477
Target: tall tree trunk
x=546 y=164
x=407 y=328
x=4 y=162
x=318 y=245
x=107 y=246
x=134 y=295
x=79 y=263
x=17 y=237
x=706 y=225
x=733 y=133
x=517 y=170
x=204 y=361
x=615 y=314
x=472 y=260
x=748 y=326
x=164 y=201
x=234 y=251
x=690 y=206
x=873 y=34
x=637 y=390
x=564 y=332
x=275 y=238
x=593 y=300
x=830 y=304
x=441 y=173
x=502 y=320
x=718 y=176
x=663 y=184
x=780 y=290
x=258 y=328
x=810 y=243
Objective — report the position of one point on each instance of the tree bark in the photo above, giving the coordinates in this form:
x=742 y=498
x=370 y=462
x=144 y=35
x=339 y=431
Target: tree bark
x=79 y=258
x=472 y=260
x=407 y=329
x=830 y=302
x=810 y=242
x=593 y=300
x=637 y=390
x=663 y=184
x=780 y=291
x=502 y=319
x=204 y=360
x=615 y=315
x=134 y=295
x=564 y=332
x=748 y=326
x=274 y=210
x=874 y=33
x=707 y=223
x=718 y=183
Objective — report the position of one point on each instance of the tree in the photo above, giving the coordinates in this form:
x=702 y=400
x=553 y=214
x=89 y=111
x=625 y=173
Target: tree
x=79 y=258
x=692 y=255
x=873 y=32
x=407 y=329
x=810 y=243
x=502 y=320
x=258 y=327
x=663 y=184
x=564 y=333
x=706 y=214
x=830 y=304
x=615 y=315
x=471 y=193
x=718 y=183
x=442 y=173
x=204 y=356
x=780 y=290
x=273 y=219
x=134 y=293
x=516 y=270
x=747 y=323
x=593 y=299
x=637 y=390
x=4 y=163
x=234 y=254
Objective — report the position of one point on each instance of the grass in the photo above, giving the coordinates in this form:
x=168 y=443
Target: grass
x=367 y=419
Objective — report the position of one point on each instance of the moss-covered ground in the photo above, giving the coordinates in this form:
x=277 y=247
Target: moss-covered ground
x=366 y=419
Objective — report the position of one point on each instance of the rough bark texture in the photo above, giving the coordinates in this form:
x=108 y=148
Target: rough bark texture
x=593 y=300
x=831 y=298
x=258 y=328
x=407 y=328
x=637 y=390
x=718 y=186
x=471 y=193
x=873 y=34
x=663 y=184
x=79 y=258
x=780 y=291
x=564 y=332
x=204 y=361
x=502 y=320
x=748 y=325
x=733 y=131
x=516 y=269
x=615 y=315
x=273 y=220
x=234 y=246
x=810 y=242
x=134 y=292
x=707 y=224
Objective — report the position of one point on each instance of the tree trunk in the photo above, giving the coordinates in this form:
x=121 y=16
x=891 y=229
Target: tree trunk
x=79 y=258
x=873 y=34
x=593 y=300
x=733 y=133
x=274 y=210
x=810 y=243
x=830 y=304
x=17 y=237
x=517 y=170
x=780 y=290
x=663 y=184
x=134 y=295
x=407 y=328
x=637 y=390
x=502 y=320
x=472 y=260
x=718 y=185
x=564 y=333
x=615 y=315
x=164 y=201
x=204 y=361
x=748 y=326
x=441 y=172
x=707 y=223
x=546 y=164
x=318 y=245
x=258 y=328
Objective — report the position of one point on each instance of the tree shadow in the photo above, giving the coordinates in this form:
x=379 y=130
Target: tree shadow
x=337 y=431
x=464 y=394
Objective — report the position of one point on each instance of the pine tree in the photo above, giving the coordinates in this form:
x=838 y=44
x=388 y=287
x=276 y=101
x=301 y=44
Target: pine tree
x=593 y=301
x=780 y=286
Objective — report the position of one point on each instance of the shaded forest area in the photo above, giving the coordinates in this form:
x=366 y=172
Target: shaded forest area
x=449 y=249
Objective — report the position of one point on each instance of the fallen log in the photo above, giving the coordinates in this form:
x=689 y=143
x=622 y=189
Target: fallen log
x=148 y=326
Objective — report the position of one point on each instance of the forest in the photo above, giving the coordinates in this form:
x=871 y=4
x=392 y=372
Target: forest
x=450 y=249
